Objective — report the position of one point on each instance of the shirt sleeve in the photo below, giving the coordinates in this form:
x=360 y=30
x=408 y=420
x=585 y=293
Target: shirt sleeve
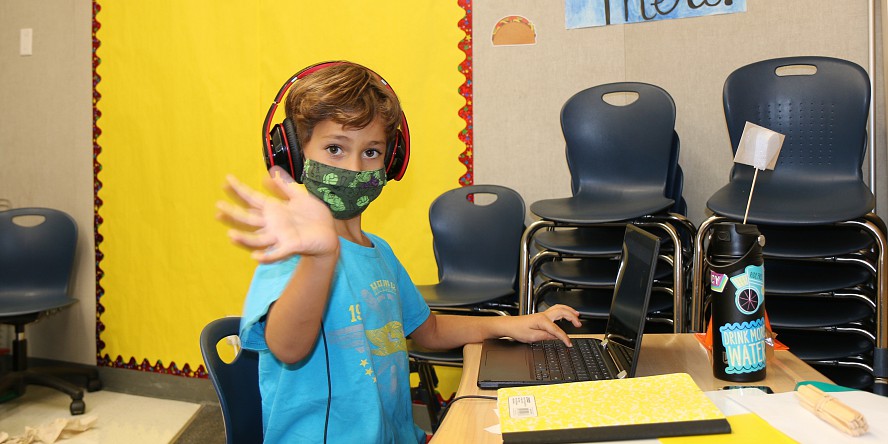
x=268 y=282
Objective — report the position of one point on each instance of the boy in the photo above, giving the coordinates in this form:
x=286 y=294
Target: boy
x=330 y=305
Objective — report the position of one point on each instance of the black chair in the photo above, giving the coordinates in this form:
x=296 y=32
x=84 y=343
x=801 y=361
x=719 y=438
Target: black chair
x=37 y=247
x=476 y=233
x=236 y=382
x=825 y=248
x=619 y=175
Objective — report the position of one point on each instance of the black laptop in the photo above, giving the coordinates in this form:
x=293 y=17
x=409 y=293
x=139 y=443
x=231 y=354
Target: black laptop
x=508 y=363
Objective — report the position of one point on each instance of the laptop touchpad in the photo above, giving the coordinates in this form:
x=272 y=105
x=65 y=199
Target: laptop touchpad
x=508 y=362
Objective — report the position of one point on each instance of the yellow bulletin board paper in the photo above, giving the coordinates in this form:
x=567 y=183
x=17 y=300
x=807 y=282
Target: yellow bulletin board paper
x=634 y=408
x=184 y=89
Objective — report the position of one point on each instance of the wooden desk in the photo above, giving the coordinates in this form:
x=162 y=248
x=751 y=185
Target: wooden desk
x=660 y=354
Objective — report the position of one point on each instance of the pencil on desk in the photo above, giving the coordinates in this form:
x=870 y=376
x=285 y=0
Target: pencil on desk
x=831 y=410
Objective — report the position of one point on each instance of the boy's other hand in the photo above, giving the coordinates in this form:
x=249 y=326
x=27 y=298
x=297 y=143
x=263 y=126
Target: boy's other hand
x=290 y=221
x=541 y=326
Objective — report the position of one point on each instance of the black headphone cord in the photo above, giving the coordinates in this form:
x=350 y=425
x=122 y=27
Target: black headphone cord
x=329 y=385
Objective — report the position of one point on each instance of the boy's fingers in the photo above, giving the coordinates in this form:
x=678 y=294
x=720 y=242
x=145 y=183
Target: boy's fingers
x=237 y=217
x=559 y=311
x=554 y=330
x=277 y=187
x=244 y=195
x=277 y=172
x=252 y=241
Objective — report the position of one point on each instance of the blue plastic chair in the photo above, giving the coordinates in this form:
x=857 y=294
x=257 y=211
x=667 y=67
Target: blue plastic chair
x=824 y=255
x=476 y=235
x=37 y=247
x=236 y=383
x=620 y=174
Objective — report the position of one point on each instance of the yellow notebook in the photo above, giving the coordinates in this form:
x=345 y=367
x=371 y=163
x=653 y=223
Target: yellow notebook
x=633 y=408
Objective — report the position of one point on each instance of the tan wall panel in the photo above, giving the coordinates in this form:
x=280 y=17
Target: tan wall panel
x=691 y=58
x=46 y=148
x=519 y=90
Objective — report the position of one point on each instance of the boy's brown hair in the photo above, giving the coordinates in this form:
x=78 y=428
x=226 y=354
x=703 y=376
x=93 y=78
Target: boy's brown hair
x=348 y=94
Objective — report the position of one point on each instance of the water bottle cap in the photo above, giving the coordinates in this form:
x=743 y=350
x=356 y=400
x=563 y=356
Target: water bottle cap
x=731 y=239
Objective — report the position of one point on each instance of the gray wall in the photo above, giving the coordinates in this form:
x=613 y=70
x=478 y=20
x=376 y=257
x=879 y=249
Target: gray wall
x=46 y=147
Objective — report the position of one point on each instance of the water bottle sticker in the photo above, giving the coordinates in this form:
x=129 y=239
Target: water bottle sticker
x=744 y=346
x=717 y=281
x=750 y=285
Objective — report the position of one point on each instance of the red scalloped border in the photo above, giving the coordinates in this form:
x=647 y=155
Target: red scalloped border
x=465 y=90
x=466 y=158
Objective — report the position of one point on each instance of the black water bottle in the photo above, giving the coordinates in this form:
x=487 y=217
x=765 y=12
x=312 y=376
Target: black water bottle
x=737 y=281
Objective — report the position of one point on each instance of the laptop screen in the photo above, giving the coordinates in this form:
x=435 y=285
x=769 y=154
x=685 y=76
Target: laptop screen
x=634 y=282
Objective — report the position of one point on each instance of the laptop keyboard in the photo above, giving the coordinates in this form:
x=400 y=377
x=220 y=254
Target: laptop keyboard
x=556 y=362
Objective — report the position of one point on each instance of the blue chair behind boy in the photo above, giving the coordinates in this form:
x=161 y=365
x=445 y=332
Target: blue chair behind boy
x=236 y=383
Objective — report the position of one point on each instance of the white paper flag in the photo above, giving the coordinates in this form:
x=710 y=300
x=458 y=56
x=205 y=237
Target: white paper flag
x=759 y=147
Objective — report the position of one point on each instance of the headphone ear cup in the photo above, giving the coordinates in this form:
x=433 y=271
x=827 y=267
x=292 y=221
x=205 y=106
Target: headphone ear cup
x=295 y=150
x=397 y=157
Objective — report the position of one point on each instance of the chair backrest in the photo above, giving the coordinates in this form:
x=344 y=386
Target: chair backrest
x=478 y=241
x=37 y=247
x=236 y=383
x=620 y=146
x=820 y=104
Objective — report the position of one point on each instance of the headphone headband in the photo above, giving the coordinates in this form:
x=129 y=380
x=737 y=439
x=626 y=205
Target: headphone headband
x=280 y=145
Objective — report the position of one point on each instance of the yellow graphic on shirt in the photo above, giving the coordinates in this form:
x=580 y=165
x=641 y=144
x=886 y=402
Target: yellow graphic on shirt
x=368 y=371
x=387 y=340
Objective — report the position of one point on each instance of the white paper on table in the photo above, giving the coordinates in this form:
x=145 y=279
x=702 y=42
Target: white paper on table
x=784 y=412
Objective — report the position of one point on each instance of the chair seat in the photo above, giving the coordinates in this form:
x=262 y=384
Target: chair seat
x=582 y=241
x=592 y=272
x=446 y=294
x=24 y=304
x=592 y=209
x=810 y=203
x=595 y=303
x=823 y=345
x=805 y=312
x=812 y=242
x=798 y=277
x=454 y=356
x=591 y=240
x=845 y=374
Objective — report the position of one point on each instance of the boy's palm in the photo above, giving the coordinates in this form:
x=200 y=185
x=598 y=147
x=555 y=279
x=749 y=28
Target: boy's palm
x=290 y=222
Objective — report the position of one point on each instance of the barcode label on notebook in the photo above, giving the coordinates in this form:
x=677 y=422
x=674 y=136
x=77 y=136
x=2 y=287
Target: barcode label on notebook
x=522 y=407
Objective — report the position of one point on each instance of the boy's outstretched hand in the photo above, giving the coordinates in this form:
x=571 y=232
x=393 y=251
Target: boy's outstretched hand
x=288 y=222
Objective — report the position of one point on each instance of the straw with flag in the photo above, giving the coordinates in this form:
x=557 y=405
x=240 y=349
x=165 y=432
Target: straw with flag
x=758 y=148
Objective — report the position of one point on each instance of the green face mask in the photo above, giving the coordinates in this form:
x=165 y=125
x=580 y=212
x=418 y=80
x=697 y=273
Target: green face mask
x=346 y=192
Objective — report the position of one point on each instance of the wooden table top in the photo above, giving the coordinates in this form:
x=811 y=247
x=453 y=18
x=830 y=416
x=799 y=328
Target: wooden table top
x=660 y=354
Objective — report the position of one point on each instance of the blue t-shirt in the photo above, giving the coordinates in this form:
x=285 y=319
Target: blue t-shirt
x=373 y=305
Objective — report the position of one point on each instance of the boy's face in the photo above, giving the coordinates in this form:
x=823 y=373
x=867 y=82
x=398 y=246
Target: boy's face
x=350 y=149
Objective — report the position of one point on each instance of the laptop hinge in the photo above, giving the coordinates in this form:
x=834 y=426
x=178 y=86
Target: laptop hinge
x=616 y=358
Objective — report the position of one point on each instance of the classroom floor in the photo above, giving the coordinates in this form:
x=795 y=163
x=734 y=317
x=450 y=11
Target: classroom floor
x=111 y=417
x=147 y=408
x=141 y=407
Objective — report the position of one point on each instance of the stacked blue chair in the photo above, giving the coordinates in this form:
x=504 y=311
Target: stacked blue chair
x=623 y=159
x=476 y=234
x=825 y=277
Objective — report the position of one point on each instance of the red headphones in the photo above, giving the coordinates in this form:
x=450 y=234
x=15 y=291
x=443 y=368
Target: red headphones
x=280 y=145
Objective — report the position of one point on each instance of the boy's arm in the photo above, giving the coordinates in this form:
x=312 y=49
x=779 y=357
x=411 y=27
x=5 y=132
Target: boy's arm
x=294 y=320
x=290 y=222
x=443 y=332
